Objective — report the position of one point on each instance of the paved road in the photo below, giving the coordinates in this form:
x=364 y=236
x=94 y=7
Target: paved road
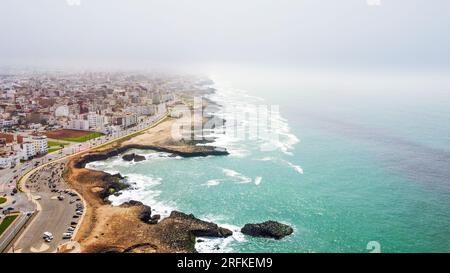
x=9 y=234
x=55 y=216
x=9 y=177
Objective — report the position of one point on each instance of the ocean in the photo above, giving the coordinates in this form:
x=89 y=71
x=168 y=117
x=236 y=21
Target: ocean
x=350 y=168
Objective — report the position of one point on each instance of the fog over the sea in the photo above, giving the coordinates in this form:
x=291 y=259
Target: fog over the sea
x=336 y=34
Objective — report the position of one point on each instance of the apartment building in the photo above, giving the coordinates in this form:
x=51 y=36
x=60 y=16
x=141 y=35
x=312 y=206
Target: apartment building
x=40 y=144
x=28 y=150
x=9 y=159
x=78 y=124
x=96 y=121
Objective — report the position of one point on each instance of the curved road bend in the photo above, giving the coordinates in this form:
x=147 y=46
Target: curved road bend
x=55 y=215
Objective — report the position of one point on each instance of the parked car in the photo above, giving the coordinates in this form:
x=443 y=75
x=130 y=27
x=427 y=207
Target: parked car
x=48 y=236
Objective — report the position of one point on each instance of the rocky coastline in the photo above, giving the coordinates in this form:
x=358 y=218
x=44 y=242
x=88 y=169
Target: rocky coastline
x=132 y=227
x=183 y=151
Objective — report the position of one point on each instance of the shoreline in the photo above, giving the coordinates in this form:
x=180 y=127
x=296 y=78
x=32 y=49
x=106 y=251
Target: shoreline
x=183 y=151
x=103 y=226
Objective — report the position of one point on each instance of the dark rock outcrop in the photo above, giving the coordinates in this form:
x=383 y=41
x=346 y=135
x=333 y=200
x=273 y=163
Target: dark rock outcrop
x=133 y=156
x=132 y=203
x=199 y=227
x=154 y=219
x=269 y=229
x=193 y=151
x=113 y=183
x=146 y=214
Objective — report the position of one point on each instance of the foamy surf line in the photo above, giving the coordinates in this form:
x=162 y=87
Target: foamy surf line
x=219 y=245
x=296 y=168
x=142 y=189
x=234 y=101
x=238 y=177
x=242 y=179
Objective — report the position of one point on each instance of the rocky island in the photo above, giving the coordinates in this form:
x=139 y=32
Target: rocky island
x=271 y=229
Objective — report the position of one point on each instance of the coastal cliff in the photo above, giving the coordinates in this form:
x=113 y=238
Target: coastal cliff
x=131 y=227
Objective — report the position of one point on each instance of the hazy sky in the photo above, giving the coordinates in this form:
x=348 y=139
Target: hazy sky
x=300 y=33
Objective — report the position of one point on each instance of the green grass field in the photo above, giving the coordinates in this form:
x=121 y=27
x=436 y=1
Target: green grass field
x=52 y=143
x=84 y=138
x=2 y=200
x=7 y=221
x=51 y=150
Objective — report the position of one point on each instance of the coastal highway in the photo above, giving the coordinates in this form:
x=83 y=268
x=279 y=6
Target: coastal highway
x=54 y=215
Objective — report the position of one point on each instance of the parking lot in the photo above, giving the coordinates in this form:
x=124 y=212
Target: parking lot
x=59 y=211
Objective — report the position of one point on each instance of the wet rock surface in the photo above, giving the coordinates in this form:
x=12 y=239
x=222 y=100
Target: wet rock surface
x=133 y=157
x=269 y=229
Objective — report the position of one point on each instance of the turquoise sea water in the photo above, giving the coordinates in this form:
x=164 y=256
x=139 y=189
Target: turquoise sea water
x=350 y=168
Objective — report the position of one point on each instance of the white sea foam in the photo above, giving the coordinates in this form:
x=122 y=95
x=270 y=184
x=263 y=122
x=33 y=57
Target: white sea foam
x=212 y=182
x=157 y=155
x=230 y=173
x=143 y=189
x=258 y=180
x=220 y=245
x=109 y=166
x=295 y=167
x=267 y=158
x=240 y=178
x=238 y=106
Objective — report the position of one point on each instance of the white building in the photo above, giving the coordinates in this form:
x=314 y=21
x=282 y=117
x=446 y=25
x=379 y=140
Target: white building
x=40 y=144
x=141 y=110
x=8 y=160
x=28 y=150
x=129 y=120
x=96 y=121
x=78 y=124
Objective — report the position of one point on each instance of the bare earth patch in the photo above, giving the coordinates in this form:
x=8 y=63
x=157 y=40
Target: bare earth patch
x=66 y=133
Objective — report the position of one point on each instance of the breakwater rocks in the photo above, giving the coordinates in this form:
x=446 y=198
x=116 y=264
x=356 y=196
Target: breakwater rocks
x=271 y=229
x=183 y=151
